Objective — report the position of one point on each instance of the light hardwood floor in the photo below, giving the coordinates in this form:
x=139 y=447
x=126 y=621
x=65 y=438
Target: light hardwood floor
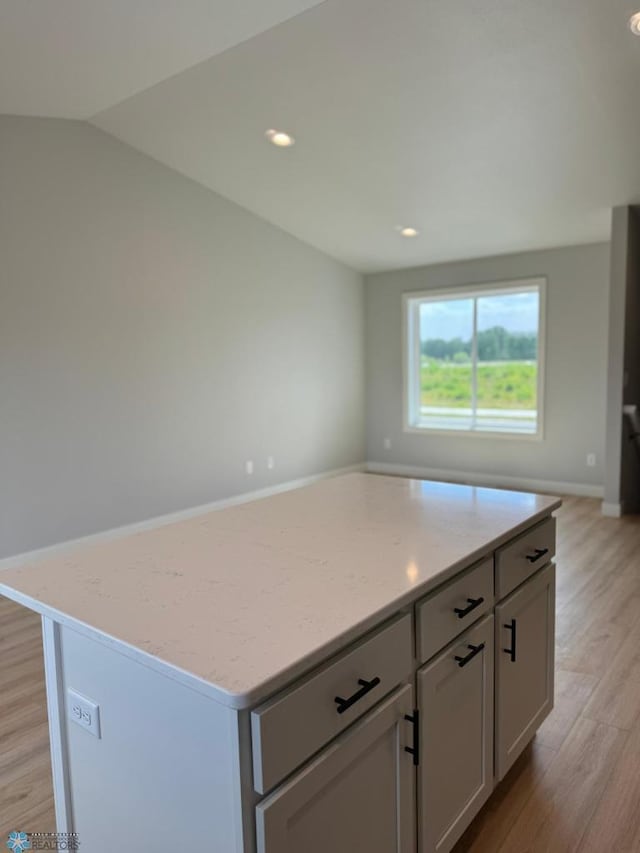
x=26 y=793
x=577 y=787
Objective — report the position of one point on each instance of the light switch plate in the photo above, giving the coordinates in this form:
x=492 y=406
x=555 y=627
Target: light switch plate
x=84 y=712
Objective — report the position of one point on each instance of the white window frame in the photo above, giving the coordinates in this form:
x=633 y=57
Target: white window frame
x=411 y=353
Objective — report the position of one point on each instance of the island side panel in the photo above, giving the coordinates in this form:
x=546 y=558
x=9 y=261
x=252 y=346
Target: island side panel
x=165 y=770
x=57 y=727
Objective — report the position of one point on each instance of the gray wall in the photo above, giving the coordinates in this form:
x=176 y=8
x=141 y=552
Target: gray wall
x=575 y=386
x=154 y=336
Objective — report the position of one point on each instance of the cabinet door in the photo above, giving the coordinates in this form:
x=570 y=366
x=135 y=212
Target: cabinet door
x=455 y=699
x=525 y=624
x=358 y=794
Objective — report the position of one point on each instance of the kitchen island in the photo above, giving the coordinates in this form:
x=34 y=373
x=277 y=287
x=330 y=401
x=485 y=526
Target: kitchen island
x=347 y=666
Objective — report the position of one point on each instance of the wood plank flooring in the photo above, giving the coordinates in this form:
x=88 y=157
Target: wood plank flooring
x=26 y=792
x=576 y=788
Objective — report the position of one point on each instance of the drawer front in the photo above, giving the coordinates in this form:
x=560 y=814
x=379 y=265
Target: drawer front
x=522 y=557
x=288 y=729
x=451 y=610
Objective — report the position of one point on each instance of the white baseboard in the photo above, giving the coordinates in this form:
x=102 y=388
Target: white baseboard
x=611 y=510
x=492 y=480
x=170 y=518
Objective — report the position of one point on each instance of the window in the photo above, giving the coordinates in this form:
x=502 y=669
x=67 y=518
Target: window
x=474 y=359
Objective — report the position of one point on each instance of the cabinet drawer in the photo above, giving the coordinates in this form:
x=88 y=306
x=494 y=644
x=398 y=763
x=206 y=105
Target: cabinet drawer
x=355 y=796
x=288 y=729
x=450 y=610
x=523 y=556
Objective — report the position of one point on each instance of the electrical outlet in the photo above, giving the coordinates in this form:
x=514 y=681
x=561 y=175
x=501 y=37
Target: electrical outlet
x=84 y=712
x=591 y=460
x=271 y=463
x=248 y=466
x=387 y=444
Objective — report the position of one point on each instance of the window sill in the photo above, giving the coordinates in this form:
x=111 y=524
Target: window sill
x=473 y=433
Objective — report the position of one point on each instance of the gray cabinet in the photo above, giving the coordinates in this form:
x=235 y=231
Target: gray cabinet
x=358 y=794
x=455 y=700
x=525 y=665
x=330 y=756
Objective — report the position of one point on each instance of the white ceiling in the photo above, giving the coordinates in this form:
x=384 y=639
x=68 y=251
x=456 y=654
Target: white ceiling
x=492 y=125
x=73 y=58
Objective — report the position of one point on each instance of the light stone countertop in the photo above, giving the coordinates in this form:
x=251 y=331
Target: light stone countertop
x=240 y=601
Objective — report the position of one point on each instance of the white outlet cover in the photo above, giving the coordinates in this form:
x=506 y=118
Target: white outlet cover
x=271 y=463
x=249 y=466
x=83 y=712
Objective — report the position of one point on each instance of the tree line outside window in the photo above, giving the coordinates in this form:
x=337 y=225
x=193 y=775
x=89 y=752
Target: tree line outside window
x=495 y=344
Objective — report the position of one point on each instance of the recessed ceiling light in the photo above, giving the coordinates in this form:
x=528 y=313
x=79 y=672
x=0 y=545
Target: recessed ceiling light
x=408 y=231
x=634 y=24
x=280 y=138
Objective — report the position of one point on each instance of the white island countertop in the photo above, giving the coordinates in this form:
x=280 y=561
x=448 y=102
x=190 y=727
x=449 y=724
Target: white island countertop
x=238 y=602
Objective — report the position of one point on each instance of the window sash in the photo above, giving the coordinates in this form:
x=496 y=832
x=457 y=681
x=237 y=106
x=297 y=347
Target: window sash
x=496 y=422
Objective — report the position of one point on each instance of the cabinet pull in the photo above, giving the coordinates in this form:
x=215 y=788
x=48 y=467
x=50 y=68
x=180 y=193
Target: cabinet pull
x=472 y=603
x=511 y=626
x=538 y=553
x=475 y=650
x=415 y=749
x=365 y=687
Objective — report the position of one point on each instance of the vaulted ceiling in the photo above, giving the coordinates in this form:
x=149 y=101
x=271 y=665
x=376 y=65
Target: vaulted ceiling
x=491 y=126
